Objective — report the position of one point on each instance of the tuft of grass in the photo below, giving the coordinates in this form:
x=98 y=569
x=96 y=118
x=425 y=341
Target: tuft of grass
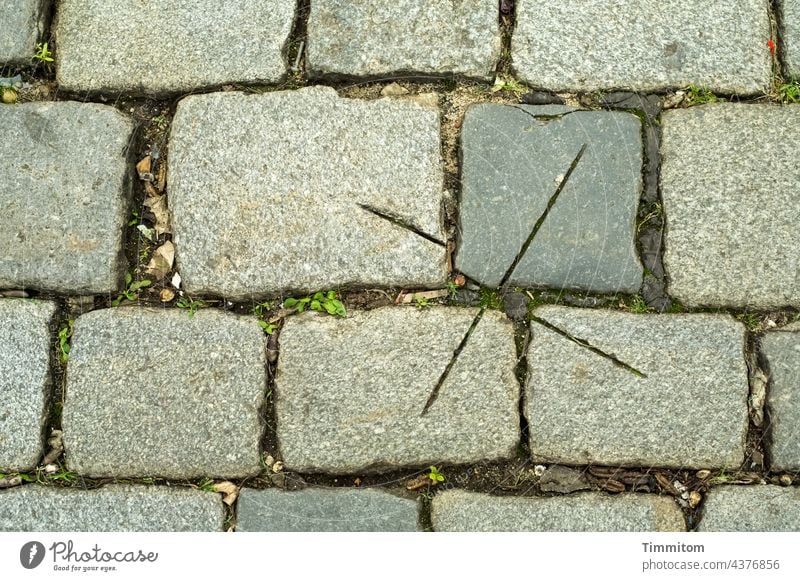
x=452 y=289
x=789 y=92
x=423 y=303
x=491 y=299
x=751 y=320
x=64 y=336
x=206 y=485
x=323 y=302
x=700 y=95
x=637 y=305
x=189 y=304
x=43 y=54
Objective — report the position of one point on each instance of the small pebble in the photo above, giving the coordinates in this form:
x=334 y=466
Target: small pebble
x=277 y=467
x=786 y=480
x=703 y=474
x=694 y=498
x=538 y=470
x=51 y=469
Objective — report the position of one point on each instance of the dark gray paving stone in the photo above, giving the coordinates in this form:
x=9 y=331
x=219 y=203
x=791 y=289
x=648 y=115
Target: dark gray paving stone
x=349 y=393
x=782 y=350
x=365 y=38
x=24 y=380
x=64 y=192
x=462 y=511
x=790 y=19
x=324 y=510
x=23 y=24
x=278 y=209
x=731 y=236
x=167 y=47
x=756 y=508
x=514 y=158
x=112 y=508
x=643 y=45
x=151 y=392
x=690 y=411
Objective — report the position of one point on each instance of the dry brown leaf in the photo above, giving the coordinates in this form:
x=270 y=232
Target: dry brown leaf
x=143 y=169
x=225 y=487
x=161 y=177
x=149 y=190
x=420 y=481
x=161 y=262
x=405 y=299
x=666 y=484
x=158 y=206
x=166 y=295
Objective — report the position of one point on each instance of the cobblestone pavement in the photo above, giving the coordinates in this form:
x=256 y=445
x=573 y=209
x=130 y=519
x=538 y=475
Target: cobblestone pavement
x=405 y=266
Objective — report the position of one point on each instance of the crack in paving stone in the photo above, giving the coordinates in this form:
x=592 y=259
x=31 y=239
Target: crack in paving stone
x=397 y=221
x=504 y=281
x=547 y=117
x=586 y=345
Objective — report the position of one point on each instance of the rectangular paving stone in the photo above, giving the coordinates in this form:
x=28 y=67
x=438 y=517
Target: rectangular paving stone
x=23 y=23
x=24 y=381
x=790 y=35
x=64 y=192
x=168 y=47
x=349 y=393
x=112 y=508
x=462 y=511
x=756 y=508
x=365 y=38
x=782 y=350
x=324 y=510
x=643 y=45
x=152 y=392
x=729 y=186
x=280 y=206
x=681 y=401
x=513 y=160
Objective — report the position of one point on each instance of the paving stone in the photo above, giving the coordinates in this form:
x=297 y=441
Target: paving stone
x=24 y=380
x=23 y=24
x=459 y=510
x=364 y=38
x=64 y=206
x=349 y=393
x=690 y=411
x=167 y=47
x=324 y=510
x=112 y=508
x=731 y=237
x=152 y=392
x=514 y=158
x=782 y=350
x=751 y=509
x=790 y=19
x=643 y=45
x=278 y=209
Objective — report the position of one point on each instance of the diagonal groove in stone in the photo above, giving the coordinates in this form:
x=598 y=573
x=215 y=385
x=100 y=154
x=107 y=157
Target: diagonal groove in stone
x=435 y=393
x=586 y=345
x=536 y=227
x=397 y=221
x=546 y=117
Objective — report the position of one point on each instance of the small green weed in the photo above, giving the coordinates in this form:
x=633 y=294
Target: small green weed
x=134 y=218
x=452 y=289
x=64 y=335
x=751 y=320
x=422 y=303
x=324 y=302
x=700 y=95
x=189 y=304
x=789 y=93
x=435 y=475
x=268 y=328
x=43 y=54
x=637 y=305
x=206 y=485
x=132 y=289
x=508 y=83
x=261 y=309
x=491 y=299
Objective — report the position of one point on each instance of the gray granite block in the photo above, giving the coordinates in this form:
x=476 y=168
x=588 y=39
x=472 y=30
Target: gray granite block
x=643 y=45
x=365 y=38
x=112 y=508
x=729 y=185
x=514 y=158
x=152 y=392
x=24 y=381
x=782 y=350
x=23 y=24
x=790 y=35
x=756 y=508
x=278 y=208
x=167 y=47
x=324 y=510
x=349 y=393
x=460 y=511
x=64 y=192
x=690 y=411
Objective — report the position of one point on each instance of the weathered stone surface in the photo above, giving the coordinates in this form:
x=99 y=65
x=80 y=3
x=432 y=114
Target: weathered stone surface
x=751 y=509
x=643 y=45
x=324 y=510
x=152 y=392
x=63 y=189
x=790 y=18
x=112 y=508
x=459 y=510
x=690 y=411
x=365 y=38
x=278 y=209
x=164 y=47
x=729 y=184
x=514 y=158
x=349 y=393
x=782 y=350
x=23 y=23
x=24 y=380
x=562 y=480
